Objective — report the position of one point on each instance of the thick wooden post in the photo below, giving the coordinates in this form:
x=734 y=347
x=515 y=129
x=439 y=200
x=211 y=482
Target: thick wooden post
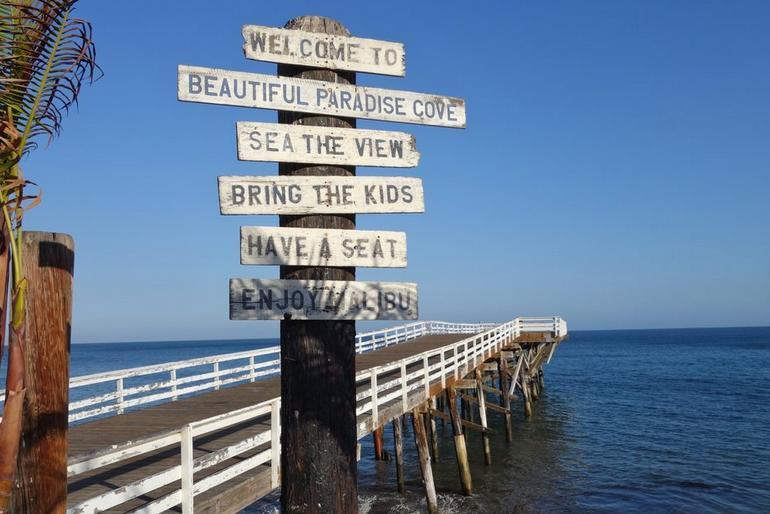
x=432 y=429
x=533 y=386
x=42 y=474
x=541 y=378
x=483 y=416
x=398 y=443
x=524 y=382
x=378 y=449
x=421 y=439
x=318 y=436
x=505 y=401
x=462 y=453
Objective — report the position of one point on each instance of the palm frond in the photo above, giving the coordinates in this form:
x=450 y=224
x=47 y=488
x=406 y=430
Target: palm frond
x=45 y=57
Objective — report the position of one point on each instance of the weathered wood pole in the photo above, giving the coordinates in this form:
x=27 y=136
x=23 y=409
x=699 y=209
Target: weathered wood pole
x=541 y=378
x=378 y=449
x=318 y=432
x=398 y=443
x=523 y=381
x=483 y=416
x=423 y=453
x=459 y=439
x=533 y=386
x=42 y=473
x=505 y=401
x=432 y=429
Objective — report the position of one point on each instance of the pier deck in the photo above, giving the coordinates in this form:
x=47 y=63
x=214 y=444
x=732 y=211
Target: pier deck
x=132 y=426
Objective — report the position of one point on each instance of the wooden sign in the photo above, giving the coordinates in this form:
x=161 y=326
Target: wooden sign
x=323 y=50
x=319 y=195
x=322 y=247
x=323 y=145
x=225 y=87
x=321 y=300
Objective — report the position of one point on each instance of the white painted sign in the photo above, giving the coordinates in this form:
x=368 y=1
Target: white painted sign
x=319 y=195
x=323 y=50
x=321 y=300
x=225 y=87
x=324 y=145
x=322 y=247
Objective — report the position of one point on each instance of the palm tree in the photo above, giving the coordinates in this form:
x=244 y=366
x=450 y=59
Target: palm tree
x=45 y=56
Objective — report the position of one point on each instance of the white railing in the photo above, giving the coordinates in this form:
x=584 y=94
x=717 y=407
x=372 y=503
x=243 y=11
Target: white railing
x=113 y=392
x=406 y=382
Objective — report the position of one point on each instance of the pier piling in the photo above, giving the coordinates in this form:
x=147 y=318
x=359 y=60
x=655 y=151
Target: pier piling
x=459 y=440
x=398 y=444
x=483 y=416
x=421 y=440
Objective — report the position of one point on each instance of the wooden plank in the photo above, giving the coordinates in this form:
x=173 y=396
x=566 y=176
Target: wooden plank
x=273 y=142
x=227 y=87
x=320 y=50
x=321 y=300
x=319 y=195
x=322 y=247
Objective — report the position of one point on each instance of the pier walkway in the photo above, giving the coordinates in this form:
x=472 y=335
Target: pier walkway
x=155 y=447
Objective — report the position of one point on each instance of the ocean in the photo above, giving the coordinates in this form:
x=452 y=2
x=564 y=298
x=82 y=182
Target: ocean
x=630 y=421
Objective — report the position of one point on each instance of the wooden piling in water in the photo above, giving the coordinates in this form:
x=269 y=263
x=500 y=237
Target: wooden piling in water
x=421 y=440
x=432 y=428
x=534 y=387
x=461 y=452
x=378 y=450
x=399 y=450
x=541 y=378
x=483 y=417
x=525 y=393
x=502 y=364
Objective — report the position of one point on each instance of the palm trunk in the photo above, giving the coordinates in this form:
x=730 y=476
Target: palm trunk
x=10 y=427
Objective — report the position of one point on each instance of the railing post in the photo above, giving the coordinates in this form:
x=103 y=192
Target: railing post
x=119 y=391
x=252 y=374
x=426 y=373
x=373 y=381
x=275 y=443
x=216 y=376
x=174 y=396
x=187 y=470
x=404 y=403
x=443 y=370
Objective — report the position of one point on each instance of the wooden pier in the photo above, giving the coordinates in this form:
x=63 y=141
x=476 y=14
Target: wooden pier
x=215 y=452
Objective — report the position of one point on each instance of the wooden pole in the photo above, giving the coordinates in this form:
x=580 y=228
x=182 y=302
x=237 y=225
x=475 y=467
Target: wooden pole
x=378 y=449
x=318 y=435
x=432 y=429
x=462 y=453
x=421 y=440
x=505 y=401
x=398 y=443
x=533 y=387
x=483 y=416
x=525 y=393
x=42 y=474
x=541 y=378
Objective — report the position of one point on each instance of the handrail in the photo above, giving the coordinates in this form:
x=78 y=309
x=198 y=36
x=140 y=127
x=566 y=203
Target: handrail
x=407 y=381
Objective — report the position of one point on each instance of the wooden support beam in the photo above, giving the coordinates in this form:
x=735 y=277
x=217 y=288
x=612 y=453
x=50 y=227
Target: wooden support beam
x=423 y=454
x=437 y=413
x=533 y=386
x=462 y=454
x=523 y=382
x=490 y=366
x=464 y=383
x=432 y=430
x=504 y=399
x=483 y=418
x=399 y=450
x=541 y=378
x=377 y=436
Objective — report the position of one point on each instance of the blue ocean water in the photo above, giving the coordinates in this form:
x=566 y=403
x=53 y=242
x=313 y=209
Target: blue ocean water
x=630 y=421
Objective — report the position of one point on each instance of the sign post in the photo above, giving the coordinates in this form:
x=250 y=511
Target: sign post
x=316 y=196
x=318 y=386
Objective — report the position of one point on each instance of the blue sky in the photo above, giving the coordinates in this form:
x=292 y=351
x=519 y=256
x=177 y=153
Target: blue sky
x=615 y=169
